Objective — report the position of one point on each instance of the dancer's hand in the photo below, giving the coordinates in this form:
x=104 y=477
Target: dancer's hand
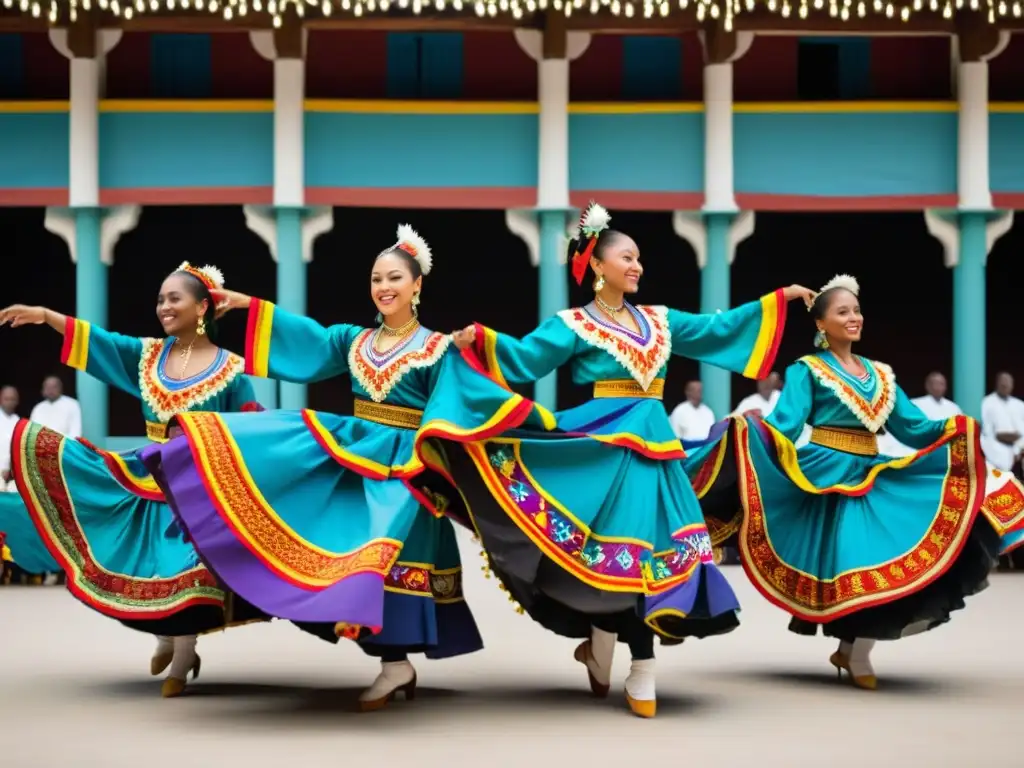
x=21 y=314
x=225 y=301
x=799 y=292
x=465 y=337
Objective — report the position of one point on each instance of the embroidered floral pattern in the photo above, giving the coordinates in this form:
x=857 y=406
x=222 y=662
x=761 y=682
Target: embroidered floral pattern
x=871 y=413
x=379 y=381
x=604 y=559
x=1004 y=501
x=642 y=356
x=445 y=586
x=166 y=402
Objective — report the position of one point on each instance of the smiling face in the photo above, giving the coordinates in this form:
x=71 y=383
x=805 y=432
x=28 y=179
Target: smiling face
x=841 y=320
x=617 y=260
x=178 y=307
x=392 y=284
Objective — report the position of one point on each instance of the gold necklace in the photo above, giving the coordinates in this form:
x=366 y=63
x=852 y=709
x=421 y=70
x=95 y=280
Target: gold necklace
x=608 y=307
x=402 y=333
x=401 y=330
x=185 y=355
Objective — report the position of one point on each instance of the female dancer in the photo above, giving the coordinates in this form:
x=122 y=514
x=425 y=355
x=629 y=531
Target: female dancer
x=307 y=514
x=867 y=547
x=100 y=514
x=598 y=534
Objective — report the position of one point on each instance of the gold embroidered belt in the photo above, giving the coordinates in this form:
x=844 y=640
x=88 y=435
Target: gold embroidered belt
x=856 y=441
x=389 y=415
x=156 y=431
x=629 y=388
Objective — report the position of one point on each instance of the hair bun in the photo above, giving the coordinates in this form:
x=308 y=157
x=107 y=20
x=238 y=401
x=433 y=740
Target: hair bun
x=410 y=241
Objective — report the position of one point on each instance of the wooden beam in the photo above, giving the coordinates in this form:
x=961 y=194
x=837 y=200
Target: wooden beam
x=555 y=41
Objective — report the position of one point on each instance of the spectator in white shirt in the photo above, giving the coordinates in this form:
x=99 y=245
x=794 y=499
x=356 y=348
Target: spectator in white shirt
x=692 y=419
x=8 y=418
x=763 y=401
x=934 y=405
x=1002 y=426
x=58 y=411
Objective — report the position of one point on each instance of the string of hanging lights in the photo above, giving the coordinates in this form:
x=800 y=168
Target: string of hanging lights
x=723 y=11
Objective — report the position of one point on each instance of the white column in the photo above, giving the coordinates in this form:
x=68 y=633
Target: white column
x=972 y=139
x=718 y=166
x=87 y=75
x=973 y=191
x=719 y=195
x=553 y=127
x=553 y=121
x=289 y=115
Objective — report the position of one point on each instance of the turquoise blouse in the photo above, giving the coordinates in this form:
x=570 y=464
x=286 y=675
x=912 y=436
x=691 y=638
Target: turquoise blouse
x=137 y=366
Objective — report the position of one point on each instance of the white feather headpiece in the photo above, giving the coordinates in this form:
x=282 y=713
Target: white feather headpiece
x=847 y=282
x=594 y=221
x=410 y=241
x=208 y=275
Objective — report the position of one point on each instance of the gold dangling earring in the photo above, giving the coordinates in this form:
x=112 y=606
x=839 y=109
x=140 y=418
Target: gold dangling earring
x=201 y=326
x=599 y=284
x=416 y=304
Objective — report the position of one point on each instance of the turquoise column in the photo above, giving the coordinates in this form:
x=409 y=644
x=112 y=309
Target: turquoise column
x=91 y=305
x=291 y=287
x=969 y=314
x=553 y=289
x=714 y=296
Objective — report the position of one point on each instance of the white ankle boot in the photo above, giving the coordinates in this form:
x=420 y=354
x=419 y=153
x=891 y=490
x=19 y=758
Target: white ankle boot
x=394 y=676
x=597 y=655
x=640 y=688
x=185 y=660
x=162 y=656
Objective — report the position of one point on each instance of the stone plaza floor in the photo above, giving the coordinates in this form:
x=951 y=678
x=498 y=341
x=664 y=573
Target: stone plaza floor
x=75 y=693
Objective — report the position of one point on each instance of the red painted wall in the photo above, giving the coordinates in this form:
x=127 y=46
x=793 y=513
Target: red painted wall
x=1006 y=72
x=495 y=68
x=346 y=65
x=597 y=74
x=693 y=68
x=46 y=71
x=128 y=67
x=238 y=72
x=911 y=68
x=767 y=72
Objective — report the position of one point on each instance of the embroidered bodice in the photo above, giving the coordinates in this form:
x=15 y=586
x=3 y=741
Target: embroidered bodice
x=165 y=397
x=865 y=402
x=378 y=375
x=607 y=350
x=136 y=366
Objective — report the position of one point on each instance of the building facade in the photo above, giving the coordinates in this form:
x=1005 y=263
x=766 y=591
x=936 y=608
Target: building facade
x=708 y=112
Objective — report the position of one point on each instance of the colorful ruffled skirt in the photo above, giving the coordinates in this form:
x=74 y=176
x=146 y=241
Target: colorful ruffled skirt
x=861 y=546
x=102 y=518
x=592 y=519
x=308 y=516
